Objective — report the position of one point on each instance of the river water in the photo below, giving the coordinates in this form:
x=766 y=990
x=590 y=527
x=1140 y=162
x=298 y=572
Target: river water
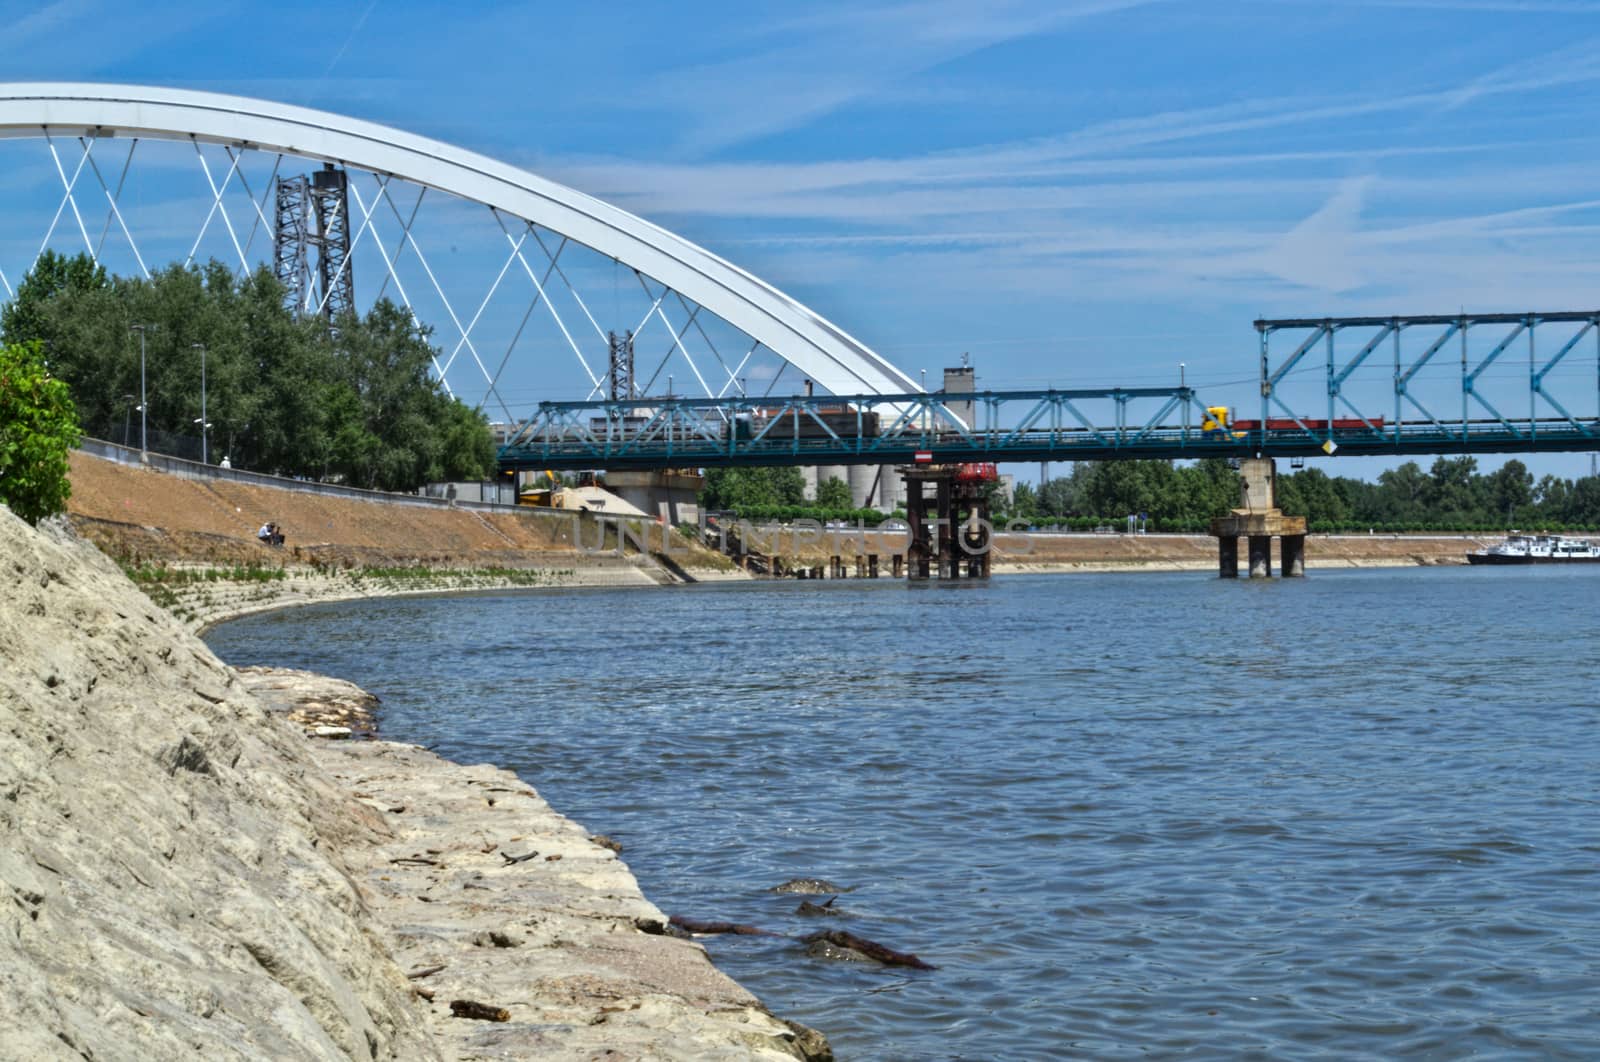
x=1126 y=815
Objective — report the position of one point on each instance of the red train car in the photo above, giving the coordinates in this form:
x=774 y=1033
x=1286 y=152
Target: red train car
x=1314 y=424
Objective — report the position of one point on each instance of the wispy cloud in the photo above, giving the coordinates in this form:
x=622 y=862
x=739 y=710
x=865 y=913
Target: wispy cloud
x=807 y=67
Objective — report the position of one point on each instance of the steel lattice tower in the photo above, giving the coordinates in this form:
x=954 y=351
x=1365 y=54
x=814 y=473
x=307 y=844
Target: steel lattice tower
x=314 y=213
x=620 y=374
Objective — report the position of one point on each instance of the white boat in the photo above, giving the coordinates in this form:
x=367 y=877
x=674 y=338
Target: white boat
x=1537 y=549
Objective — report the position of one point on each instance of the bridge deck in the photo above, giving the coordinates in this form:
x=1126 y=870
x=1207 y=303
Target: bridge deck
x=696 y=433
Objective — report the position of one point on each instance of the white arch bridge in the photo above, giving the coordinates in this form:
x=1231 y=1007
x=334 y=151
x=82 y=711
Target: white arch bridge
x=140 y=176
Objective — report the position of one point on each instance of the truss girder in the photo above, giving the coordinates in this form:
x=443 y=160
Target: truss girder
x=1498 y=433
x=820 y=349
x=866 y=429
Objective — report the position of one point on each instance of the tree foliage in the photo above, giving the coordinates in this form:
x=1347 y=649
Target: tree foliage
x=38 y=426
x=834 y=493
x=748 y=488
x=21 y=320
x=1452 y=495
x=355 y=404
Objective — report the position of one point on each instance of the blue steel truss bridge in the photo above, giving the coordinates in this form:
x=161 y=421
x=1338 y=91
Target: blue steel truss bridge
x=1383 y=394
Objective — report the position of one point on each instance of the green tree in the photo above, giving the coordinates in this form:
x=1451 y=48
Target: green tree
x=1024 y=500
x=1401 y=497
x=1508 y=493
x=1583 y=503
x=1311 y=493
x=834 y=493
x=38 y=426
x=283 y=394
x=742 y=488
x=21 y=320
x=1454 y=488
x=1064 y=495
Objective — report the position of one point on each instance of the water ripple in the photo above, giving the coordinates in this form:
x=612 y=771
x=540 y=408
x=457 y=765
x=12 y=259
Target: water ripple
x=1124 y=814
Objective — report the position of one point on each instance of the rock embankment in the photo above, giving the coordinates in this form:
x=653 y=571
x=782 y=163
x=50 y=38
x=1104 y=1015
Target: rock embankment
x=182 y=878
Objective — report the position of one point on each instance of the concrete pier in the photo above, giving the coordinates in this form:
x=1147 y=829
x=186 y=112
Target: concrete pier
x=1294 y=556
x=1259 y=521
x=1228 y=556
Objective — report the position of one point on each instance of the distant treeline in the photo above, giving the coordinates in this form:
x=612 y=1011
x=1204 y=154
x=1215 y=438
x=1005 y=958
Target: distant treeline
x=1451 y=496
x=355 y=404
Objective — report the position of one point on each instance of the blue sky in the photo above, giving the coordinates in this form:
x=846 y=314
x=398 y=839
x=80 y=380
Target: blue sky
x=1077 y=193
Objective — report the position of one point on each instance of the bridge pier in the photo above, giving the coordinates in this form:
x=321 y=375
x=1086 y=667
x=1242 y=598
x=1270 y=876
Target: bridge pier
x=1294 y=556
x=1259 y=521
x=1260 y=556
x=1228 y=556
x=955 y=543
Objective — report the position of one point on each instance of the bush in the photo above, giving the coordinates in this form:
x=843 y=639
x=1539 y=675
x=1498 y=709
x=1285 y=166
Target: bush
x=38 y=427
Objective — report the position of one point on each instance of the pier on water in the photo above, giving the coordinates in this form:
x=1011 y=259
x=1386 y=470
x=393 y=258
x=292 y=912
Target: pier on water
x=956 y=543
x=1258 y=521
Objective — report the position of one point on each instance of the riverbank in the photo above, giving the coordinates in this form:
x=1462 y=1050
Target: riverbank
x=191 y=876
x=191 y=544
x=1101 y=553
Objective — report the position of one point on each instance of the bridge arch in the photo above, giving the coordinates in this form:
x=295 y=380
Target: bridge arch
x=821 y=350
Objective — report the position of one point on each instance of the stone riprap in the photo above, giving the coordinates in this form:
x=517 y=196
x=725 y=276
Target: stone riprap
x=180 y=878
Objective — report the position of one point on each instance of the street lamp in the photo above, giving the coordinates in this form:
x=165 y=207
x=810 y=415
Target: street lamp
x=204 y=424
x=144 y=435
x=204 y=457
x=127 y=417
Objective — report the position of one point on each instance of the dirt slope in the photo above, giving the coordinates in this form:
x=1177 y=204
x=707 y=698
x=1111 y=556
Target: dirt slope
x=138 y=514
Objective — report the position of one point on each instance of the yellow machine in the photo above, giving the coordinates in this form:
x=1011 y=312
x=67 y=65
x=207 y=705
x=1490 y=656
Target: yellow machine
x=542 y=497
x=1216 y=419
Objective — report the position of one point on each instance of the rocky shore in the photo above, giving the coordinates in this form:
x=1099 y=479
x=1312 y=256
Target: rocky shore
x=187 y=874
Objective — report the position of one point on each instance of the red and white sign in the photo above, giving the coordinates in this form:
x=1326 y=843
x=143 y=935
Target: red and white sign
x=922 y=457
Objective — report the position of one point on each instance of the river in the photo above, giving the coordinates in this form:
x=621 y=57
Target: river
x=1140 y=814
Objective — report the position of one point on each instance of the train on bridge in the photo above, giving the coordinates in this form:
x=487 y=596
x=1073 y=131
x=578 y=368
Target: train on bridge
x=1217 y=420
x=821 y=422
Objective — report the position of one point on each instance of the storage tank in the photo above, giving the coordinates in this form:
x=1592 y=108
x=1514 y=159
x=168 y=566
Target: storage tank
x=863 y=483
x=891 y=490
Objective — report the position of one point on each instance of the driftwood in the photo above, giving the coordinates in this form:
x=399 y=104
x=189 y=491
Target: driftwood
x=425 y=971
x=466 y=1008
x=871 y=949
x=512 y=860
x=418 y=861
x=694 y=925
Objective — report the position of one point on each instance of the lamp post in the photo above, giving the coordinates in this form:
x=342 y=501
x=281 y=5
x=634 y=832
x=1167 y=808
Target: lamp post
x=144 y=435
x=204 y=456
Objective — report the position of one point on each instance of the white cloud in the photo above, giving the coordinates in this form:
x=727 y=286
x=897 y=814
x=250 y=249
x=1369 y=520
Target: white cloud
x=836 y=55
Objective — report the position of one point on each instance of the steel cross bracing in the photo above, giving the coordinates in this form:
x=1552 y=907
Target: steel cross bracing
x=1426 y=361
x=691 y=286
x=314 y=228
x=1056 y=425
x=1051 y=425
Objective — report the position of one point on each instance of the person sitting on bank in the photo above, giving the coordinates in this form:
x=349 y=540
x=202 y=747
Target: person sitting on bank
x=264 y=536
x=277 y=535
